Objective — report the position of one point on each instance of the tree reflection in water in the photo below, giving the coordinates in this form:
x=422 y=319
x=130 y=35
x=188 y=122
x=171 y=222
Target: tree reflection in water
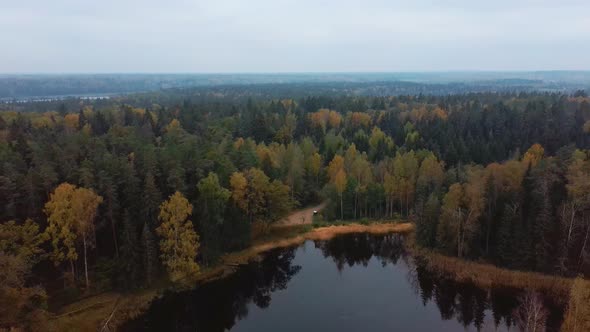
x=461 y=301
x=219 y=305
x=353 y=249
x=468 y=304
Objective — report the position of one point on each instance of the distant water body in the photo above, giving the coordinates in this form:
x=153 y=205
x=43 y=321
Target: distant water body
x=57 y=98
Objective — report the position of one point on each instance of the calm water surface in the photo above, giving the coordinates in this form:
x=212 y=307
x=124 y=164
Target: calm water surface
x=355 y=282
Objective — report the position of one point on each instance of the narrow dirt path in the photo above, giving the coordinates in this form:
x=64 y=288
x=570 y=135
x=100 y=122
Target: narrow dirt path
x=300 y=217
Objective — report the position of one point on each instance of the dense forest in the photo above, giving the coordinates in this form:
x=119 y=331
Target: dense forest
x=118 y=193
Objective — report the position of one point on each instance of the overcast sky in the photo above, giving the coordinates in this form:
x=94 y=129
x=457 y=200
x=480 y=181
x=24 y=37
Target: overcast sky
x=293 y=35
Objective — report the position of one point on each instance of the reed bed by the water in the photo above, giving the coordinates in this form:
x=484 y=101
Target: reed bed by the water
x=487 y=275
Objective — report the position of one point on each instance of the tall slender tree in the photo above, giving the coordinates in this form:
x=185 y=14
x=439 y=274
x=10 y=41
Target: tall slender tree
x=179 y=243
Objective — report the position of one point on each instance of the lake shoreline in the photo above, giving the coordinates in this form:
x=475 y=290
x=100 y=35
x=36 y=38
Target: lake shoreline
x=488 y=276
x=93 y=311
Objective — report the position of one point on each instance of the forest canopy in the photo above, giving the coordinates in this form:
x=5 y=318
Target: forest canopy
x=116 y=193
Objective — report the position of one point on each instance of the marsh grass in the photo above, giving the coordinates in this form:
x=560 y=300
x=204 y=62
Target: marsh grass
x=573 y=294
x=487 y=276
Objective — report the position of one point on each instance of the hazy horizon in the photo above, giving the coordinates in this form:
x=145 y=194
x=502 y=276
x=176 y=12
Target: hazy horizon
x=263 y=36
x=457 y=71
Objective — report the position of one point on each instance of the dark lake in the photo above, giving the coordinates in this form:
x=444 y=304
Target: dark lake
x=356 y=282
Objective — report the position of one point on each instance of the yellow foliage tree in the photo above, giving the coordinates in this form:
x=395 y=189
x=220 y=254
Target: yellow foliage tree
x=534 y=154
x=62 y=221
x=335 y=166
x=314 y=165
x=85 y=205
x=359 y=119
x=405 y=172
x=334 y=119
x=440 y=113
x=431 y=173
x=72 y=122
x=380 y=144
x=462 y=206
x=324 y=118
x=70 y=213
x=173 y=126
x=239 y=188
x=179 y=242
x=350 y=156
x=261 y=200
x=360 y=170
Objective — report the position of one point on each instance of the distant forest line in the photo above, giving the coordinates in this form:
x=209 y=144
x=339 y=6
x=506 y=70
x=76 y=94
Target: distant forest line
x=292 y=85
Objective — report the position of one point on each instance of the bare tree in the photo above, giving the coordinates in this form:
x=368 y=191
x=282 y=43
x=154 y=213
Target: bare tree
x=531 y=314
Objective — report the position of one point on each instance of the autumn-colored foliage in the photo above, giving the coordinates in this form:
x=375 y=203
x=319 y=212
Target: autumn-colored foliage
x=577 y=315
x=71 y=212
x=179 y=243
